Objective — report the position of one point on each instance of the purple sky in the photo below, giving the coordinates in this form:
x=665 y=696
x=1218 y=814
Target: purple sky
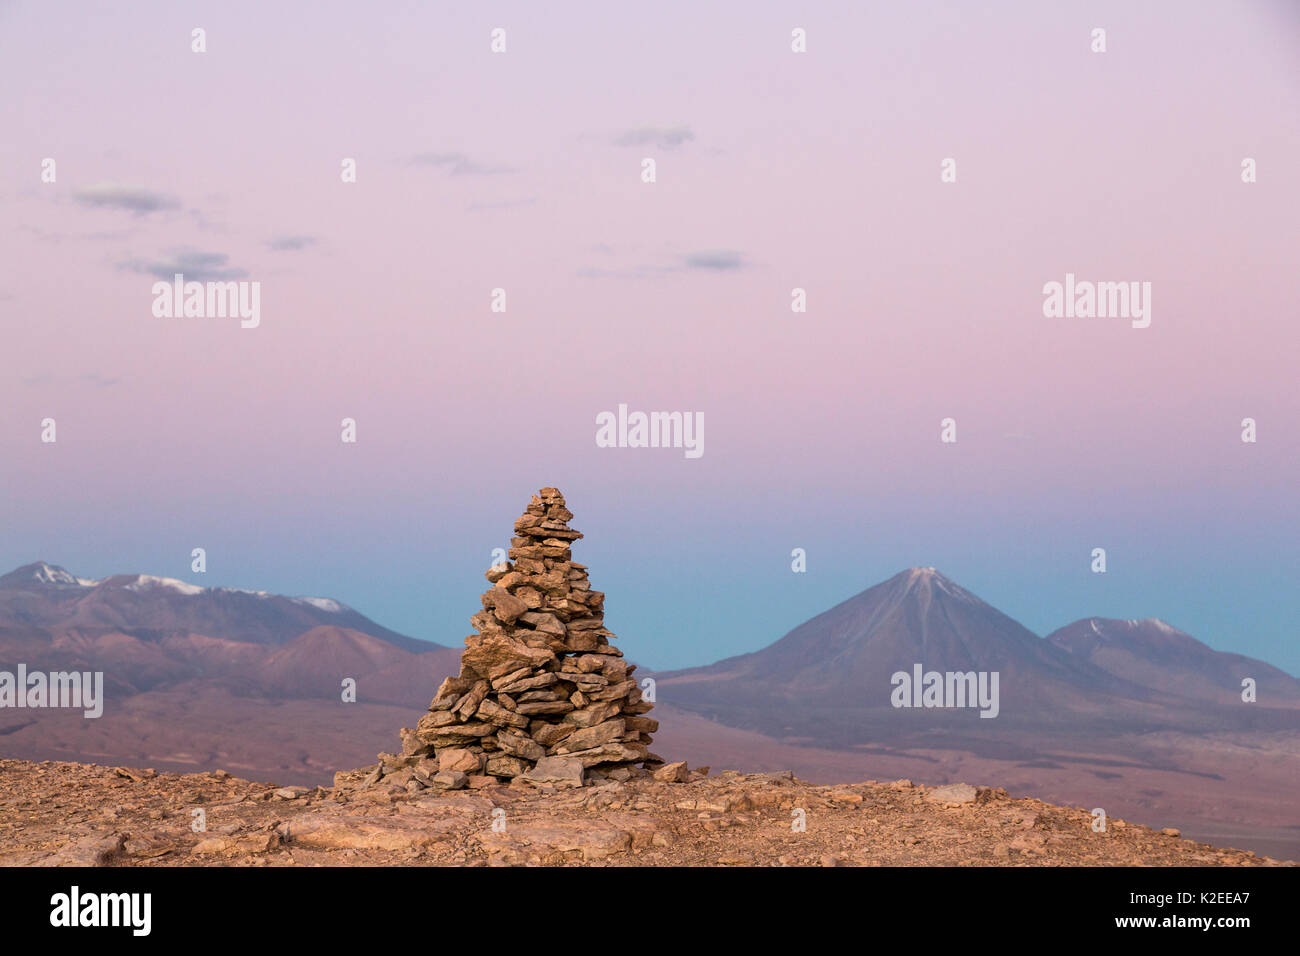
x=775 y=170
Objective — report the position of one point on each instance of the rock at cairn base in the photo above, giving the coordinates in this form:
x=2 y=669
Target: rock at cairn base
x=539 y=681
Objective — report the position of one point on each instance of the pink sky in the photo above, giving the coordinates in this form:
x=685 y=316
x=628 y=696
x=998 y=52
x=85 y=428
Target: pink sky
x=818 y=170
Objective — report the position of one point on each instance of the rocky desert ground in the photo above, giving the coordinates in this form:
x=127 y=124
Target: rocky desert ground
x=59 y=813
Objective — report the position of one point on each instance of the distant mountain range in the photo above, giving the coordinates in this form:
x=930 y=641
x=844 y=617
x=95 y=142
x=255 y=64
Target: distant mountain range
x=1135 y=716
x=832 y=672
x=147 y=632
x=829 y=680
x=1158 y=655
x=47 y=596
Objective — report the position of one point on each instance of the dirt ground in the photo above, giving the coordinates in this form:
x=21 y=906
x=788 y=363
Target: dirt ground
x=57 y=813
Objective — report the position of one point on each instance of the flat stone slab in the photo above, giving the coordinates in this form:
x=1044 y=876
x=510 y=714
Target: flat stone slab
x=557 y=772
x=341 y=832
x=623 y=832
x=94 y=850
x=959 y=793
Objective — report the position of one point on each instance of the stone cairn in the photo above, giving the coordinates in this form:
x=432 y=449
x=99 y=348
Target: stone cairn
x=542 y=694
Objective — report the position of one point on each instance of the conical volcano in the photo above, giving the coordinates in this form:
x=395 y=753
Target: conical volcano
x=539 y=677
x=832 y=679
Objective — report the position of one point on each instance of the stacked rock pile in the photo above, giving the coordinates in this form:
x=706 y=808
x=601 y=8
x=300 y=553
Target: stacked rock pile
x=541 y=693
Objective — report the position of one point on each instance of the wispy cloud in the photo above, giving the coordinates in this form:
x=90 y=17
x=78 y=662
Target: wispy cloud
x=291 y=243
x=716 y=261
x=99 y=381
x=458 y=164
x=129 y=198
x=194 y=264
x=668 y=138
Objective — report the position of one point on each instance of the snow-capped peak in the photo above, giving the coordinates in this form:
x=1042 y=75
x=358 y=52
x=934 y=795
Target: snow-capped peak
x=1156 y=623
x=1114 y=628
x=323 y=604
x=931 y=577
x=320 y=603
x=53 y=574
x=145 y=581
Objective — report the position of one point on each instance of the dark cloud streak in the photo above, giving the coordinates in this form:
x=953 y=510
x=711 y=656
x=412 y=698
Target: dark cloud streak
x=129 y=198
x=718 y=261
x=291 y=243
x=195 y=265
x=458 y=164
